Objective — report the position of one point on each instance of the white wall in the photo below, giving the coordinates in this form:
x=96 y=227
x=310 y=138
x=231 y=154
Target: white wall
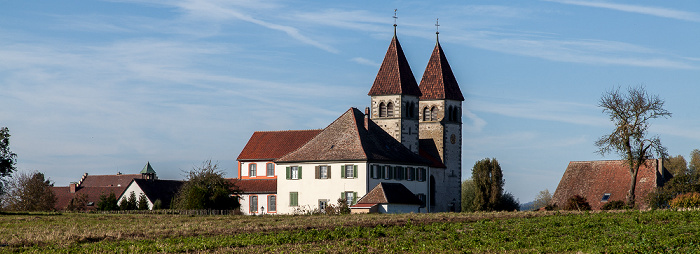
x=133 y=187
x=260 y=170
x=400 y=208
x=262 y=201
x=311 y=190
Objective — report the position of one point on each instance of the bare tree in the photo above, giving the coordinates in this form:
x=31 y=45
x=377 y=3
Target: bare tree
x=543 y=199
x=30 y=192
x=631 y=113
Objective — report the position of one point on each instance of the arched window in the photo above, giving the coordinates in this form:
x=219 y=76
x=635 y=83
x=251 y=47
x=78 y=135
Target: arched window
x=390 y=109
x=451 y=116
x=426 y=114
x=382 y=109
x=434 y=114
x=455 y=114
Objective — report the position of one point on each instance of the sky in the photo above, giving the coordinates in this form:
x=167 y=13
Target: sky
x=106 y=86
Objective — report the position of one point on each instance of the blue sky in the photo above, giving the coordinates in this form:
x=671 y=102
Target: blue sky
x=105 y=86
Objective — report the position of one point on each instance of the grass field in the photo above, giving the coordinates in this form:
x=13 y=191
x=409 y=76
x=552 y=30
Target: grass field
x=513 y=232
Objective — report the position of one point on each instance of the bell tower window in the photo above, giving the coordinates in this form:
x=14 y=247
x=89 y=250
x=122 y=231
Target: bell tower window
x=426 y=114
x=390 y=109
x=434 y=114
x=382 y=109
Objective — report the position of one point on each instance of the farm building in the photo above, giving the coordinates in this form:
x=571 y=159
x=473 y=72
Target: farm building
x=603 y=181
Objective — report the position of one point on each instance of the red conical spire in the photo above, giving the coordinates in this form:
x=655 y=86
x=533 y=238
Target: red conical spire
x=395 y=75
x=438 y=81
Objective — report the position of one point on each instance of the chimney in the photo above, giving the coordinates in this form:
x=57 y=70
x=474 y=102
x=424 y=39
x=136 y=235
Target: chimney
x=367 y=118
x=72 y=187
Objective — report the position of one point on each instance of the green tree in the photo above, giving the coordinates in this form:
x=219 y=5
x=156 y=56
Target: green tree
x=694 y=165
x=543 y=199
x=78 y=202
x=108 y=202
x=7 y=158
x=143 y=202
x=206 y=188
x=129 y=203
x=468 y=195
x=631 y=113
x=676 y=165
x=30 y=192
x=488 y=182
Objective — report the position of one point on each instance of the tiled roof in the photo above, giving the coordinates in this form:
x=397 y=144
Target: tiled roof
x=256 y=185
x=438 y=81
x=164 y=190
x=395 y=75
x=390 y=193
x=347 y=139
x=120 y=180
x=593 y=179
x=63 y=195
x=270 y=145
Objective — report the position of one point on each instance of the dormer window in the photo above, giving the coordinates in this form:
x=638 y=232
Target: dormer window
x=252 y=170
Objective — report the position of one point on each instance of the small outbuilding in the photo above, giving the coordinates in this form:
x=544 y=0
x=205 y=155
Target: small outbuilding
x=389 y=198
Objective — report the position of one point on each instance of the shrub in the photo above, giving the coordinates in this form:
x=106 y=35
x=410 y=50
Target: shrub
x=687 y=200
x=614 y=205
x=577 y=203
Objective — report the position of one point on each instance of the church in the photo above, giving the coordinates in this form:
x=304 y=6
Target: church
x=405 y=150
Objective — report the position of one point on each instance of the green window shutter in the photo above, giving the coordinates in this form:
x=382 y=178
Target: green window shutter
x=318 y=172
x=342 y=171
x=299 y=172
x=342 y=195
x=289 y=173
x=354 y=171
x=354 y=198
x=292 y=199
x=329 y=171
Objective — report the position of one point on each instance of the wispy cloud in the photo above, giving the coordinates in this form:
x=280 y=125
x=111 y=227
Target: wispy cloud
x=556 y=111
x=640 y=9
x=585 y=51
x=365 y=61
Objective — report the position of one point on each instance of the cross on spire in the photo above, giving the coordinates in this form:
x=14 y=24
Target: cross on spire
x=395 y=17
x=437 y=28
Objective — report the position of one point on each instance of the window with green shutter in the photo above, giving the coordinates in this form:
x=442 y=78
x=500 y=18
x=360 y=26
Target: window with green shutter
x=294 y=199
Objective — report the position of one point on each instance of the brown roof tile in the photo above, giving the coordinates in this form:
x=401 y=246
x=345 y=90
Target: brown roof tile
x=121 y=180
x=270 y=145
x=63 y=195
x=592 y=179
x=438 y=81
x=255 y=185
x=395 y=75
x=347 y=139
x=390 y=193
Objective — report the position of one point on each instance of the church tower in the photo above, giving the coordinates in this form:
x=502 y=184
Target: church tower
x=394 y=96
x=440 y=114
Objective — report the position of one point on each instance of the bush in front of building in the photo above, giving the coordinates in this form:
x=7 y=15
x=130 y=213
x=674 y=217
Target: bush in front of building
x=614 y=205
x=577 y=202
x=687 y=200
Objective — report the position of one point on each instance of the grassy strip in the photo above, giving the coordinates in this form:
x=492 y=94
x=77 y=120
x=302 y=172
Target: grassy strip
x=654 y=231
